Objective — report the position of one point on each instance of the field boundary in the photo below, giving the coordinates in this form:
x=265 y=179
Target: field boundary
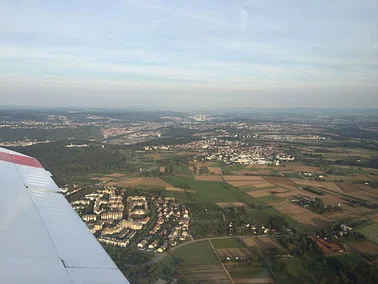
x=215 y=251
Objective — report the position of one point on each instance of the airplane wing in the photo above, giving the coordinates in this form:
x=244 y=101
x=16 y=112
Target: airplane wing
x=42 y=239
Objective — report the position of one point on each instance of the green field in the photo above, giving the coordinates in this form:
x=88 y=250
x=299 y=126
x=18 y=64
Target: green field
x=183 y=170
x=348 y=257
x=196 y=253
x=298 y=274
x=269 y=198
x=211 y=191
x=228 y=243
x=370 y=231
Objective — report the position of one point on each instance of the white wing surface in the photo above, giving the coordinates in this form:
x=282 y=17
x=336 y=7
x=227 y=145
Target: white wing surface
x=42 y=239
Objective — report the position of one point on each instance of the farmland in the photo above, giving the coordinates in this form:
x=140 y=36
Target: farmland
x=370 y=231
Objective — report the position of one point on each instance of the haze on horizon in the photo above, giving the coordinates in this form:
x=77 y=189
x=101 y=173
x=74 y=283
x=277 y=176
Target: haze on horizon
x=189 y=54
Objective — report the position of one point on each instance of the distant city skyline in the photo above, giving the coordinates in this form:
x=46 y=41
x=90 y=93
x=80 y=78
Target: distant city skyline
x=182 y=55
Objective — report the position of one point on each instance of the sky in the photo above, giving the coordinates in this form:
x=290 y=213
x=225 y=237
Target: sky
x=189 y=54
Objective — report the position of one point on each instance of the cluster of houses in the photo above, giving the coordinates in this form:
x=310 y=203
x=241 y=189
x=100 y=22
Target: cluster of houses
x=232 y=152
x=171 y=226
x=104 y=212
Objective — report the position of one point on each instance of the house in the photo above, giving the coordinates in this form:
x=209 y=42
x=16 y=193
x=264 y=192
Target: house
x=345 y=228
x=163 y=248
x=142 y=243
x=89 y=217
x=153 y=245
x=115 y=215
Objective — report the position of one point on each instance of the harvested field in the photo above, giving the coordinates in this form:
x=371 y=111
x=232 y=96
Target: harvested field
x=288 y=194
x=308 y=182
x=329 y=199
x=127 y=182
x=170 y=188
x=367 y=247
x=332 y=187
x=287 y=186
x=206 y=274
x=358 y=177
x=162 y=169
x=233 y=252
x=258 y=193
x=276 y=190
x=339 y=215
x=215 y=170
x=191 y=169
x=352 y=187
x=152 y=181
x=261 y=243
x=374 y=219
x=263 y=184
x=302 y=215
x=115 y=175
x=230 y=204
x=359 y=210
x=208 y=178
x=370 y=231
x=365 y=195
x=104 y=179
x=155 y=181
x=243 y=178
x=302 y=168
x=373 y=177
x=279 y=181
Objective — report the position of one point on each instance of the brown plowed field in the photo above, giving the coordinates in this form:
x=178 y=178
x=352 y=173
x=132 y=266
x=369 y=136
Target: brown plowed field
x=152 y=181
x=365 y=247
x=302 y=168
x=243 y=178
x=115 y=175
x=261 y=243
x=258 y=193
x=170 y=188
x=329 y=199
x=342 y=214
x=365 y=195
x=105 y=179
x=352 y=187
x=208 y=178
x=230 y=204
x=279 y=181
x=233 y=252
x=215 y=170
x=263 y=184
x=205 y=274
x=288 y=194
x=308 y=182
x=302 y=215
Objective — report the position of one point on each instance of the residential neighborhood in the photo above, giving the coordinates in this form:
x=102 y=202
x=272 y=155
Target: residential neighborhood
x=149 y=223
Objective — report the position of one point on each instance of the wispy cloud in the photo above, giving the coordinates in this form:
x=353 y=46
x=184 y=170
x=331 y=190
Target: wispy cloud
x=286 y=51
